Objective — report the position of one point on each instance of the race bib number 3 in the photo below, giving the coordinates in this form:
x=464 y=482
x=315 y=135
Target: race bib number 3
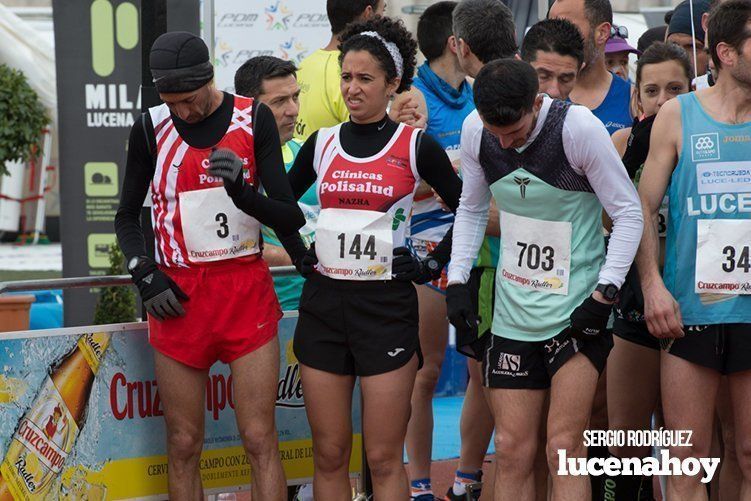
x=214 y=229
x=536 y=253
x=354 y=244
x=723 y=256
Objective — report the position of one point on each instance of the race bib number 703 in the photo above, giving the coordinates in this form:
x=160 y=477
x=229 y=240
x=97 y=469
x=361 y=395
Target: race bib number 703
x=536 y=253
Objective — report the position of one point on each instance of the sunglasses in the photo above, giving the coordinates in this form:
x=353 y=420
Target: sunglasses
x=618 y=31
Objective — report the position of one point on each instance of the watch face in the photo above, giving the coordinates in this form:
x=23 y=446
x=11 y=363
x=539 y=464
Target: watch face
x=132 y=263
x=433 y=264
x=610 y=292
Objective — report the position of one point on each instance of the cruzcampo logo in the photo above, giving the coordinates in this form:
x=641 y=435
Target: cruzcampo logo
x=399 y=218
x=110 y=26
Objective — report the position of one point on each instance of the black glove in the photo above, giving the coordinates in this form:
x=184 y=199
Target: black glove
x=160 y=294
x=227 y=165
x=590 y=319
x=307 y=264
x=638 y=145
x=460 y=310
x=409 y=268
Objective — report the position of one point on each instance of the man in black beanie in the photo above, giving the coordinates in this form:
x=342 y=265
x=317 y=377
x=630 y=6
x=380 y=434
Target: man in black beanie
x=208 y=292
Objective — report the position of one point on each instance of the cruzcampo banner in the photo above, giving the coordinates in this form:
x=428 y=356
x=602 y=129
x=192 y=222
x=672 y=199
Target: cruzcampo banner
x=98 y=60
x=81 y=418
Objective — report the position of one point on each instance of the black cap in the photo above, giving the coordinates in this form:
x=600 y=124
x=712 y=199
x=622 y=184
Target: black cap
x=179 y=62
x=681 y=20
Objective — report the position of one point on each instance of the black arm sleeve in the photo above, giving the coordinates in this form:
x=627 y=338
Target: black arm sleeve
x=278 y=209
x=139 y=171
x=302 y=174
x=434 y=167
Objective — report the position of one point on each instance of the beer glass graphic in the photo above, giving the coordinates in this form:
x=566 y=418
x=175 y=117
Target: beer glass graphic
x=45 y=435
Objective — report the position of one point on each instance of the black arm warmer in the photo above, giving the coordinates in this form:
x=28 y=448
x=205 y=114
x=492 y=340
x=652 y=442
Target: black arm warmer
x=434 y=166
x=139 y=171
x=277 y=209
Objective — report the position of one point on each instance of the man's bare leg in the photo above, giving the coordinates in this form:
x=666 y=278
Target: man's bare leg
x=517 y=414
x=254 y=385
x=182 y=390
x=689 y=394
x=572 y=392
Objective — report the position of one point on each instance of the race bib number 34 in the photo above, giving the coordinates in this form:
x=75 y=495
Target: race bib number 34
x=214 y=229
x=723 y=256
x=354 y=244
x=536 y=253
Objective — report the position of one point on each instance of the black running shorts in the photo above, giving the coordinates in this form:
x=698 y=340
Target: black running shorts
x=725 y=348
x=635 y=332
x=360 y=328
x=512 y=364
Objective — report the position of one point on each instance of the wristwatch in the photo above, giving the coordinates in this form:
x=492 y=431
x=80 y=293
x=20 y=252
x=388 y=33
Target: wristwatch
x=136 y=262
x=433 y=266
x=608 y=291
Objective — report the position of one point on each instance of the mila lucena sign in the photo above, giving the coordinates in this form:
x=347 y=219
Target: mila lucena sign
x=98 y=61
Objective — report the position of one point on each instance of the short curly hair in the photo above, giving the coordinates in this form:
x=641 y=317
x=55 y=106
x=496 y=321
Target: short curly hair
x=393 y=30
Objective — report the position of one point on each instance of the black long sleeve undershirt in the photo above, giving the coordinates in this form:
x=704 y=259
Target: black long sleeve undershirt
x=364 y=140
x=277 y=210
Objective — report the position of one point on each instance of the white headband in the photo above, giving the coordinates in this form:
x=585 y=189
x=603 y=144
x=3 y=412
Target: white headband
x=393 y=51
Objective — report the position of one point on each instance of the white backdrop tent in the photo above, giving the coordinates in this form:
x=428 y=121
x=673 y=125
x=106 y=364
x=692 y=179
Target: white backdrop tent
x=24 y=48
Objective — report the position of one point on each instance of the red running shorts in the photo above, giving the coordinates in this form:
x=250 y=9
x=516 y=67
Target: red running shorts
x=232 y=311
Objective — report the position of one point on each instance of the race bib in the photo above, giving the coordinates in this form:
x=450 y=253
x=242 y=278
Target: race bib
x=536 y=253
x=214 y=229
x=354 y=244
x=723 y=256
x=455 y=157
x=662 y=218
x=307 y=232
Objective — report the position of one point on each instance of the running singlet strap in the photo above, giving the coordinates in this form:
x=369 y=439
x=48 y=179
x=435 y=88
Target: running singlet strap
x=708 y=255
x=365 y=204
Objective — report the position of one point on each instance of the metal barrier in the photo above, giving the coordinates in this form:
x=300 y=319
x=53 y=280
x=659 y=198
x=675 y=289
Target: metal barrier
x=105 y=281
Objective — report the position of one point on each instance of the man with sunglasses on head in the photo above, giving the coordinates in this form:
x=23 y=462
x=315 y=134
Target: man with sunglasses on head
x=606 y=95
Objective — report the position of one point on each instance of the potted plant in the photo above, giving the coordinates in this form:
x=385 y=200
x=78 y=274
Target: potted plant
x=115 y=304
x=22 y=118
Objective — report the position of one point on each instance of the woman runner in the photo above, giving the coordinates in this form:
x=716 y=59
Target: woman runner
x=358 y=312
x=633 y=382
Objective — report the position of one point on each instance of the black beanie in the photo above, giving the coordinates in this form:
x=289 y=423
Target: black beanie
x=179 y=62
